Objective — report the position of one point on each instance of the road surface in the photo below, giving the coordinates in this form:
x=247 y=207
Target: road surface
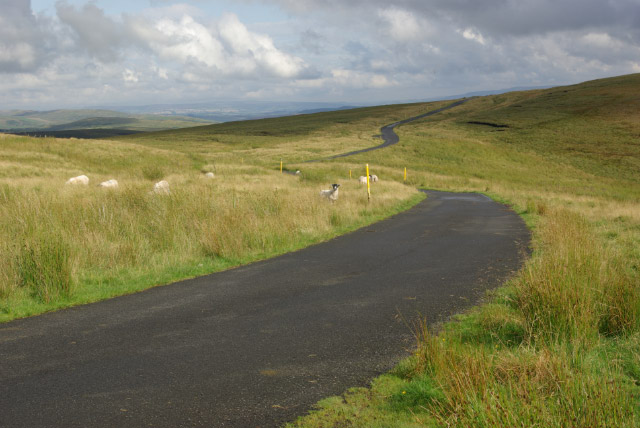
x=260 y=344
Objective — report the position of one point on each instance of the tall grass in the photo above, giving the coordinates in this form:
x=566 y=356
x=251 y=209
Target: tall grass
x=578 y=288
x=570 y=296
x=43 y=264
x=69 y=244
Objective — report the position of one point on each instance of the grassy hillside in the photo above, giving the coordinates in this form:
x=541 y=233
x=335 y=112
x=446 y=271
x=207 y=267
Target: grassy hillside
x=65 y=245
x=558 y=346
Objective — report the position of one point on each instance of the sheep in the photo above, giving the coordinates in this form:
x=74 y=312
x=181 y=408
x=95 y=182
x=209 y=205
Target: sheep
x=210 y=175
x=161 y=187
x=81 y=179
x=110 y=184
x=362 y=179
x=298 y=172
x=331 y=194
x=373 y=178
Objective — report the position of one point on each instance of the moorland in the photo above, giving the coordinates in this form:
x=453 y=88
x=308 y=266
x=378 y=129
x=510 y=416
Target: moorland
x=556 y=346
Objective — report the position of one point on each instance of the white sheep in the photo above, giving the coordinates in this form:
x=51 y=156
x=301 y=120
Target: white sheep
x=81 y=179
x=210 y=175
x=362 y=179
x=373 y=178
x=298 y=172
x=331 y=194
x=161 y=187
x=110 y=184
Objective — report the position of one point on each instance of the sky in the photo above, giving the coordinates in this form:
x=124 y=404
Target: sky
x=77 y=53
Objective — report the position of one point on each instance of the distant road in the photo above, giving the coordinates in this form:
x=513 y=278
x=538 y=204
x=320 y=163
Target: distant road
x=260 y=344
x=388 y=134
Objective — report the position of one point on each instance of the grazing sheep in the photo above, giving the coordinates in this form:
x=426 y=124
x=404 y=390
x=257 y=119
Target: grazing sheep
x=210 y=175
x=111 y=184
x=161 y=187
x=362 y=179
x=373 y=178
x=331 y=194
x=81 y=179
x=298 y=172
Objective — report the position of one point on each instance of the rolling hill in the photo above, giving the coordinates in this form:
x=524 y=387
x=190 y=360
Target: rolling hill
x=557 y=346
x=88 y=123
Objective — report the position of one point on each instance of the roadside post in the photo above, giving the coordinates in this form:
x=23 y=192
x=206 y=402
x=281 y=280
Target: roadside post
x=405 y=173
x=368 y=185
x=280 y=166
x=349 y=174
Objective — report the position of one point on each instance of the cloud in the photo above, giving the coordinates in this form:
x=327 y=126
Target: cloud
x=130 y=76
x=22 y=42
x=471 y=34
x=365 y=51
x=94 y=32
x=254 y=51
x=496 y=43
x=402 y=25
x=312 y=41
x=224 y=48
x=506 y=17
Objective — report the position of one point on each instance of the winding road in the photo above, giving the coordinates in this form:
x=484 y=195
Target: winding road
x=260 y=344
x=388 y=134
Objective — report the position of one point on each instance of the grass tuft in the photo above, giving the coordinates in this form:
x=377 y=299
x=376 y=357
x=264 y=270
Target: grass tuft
x=153 y=172
x=44 y=266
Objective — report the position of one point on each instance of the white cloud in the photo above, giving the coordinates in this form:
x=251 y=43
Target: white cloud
x=471 y=34
x=187 y=41
x=227 y=48
x=130 y=76
x=402 y=25
x=258 y=48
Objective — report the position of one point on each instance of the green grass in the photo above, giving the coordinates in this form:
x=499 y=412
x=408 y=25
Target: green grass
x=65 y=245
x=557 y=346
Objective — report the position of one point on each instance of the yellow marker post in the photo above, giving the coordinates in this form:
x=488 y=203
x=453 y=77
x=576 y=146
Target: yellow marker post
x=280 y=166
x=368 y=185
x=405 y=173
x=349 y=174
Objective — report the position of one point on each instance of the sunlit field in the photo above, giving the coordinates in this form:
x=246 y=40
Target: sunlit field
x=70 y=244
x=557 y=346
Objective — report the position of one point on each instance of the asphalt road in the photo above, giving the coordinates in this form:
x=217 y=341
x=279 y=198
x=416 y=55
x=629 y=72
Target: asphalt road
x=388 y=134
x=260 y=344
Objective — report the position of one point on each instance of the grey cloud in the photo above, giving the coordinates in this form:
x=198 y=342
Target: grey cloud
x=499 y=17
x=22 y=41
x=313 y=42
x=99 y=35
x=508 y=39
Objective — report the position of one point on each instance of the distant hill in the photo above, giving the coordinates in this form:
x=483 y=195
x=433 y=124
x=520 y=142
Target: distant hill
x=90 y=123
x=231 y=111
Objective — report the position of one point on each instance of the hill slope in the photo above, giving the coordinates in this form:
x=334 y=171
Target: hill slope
x=557 y=347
